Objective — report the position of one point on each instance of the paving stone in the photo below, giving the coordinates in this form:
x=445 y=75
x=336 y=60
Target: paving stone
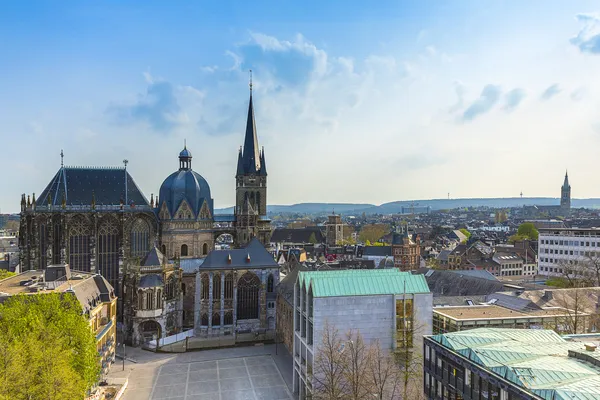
x=236 y=372
x=231 y=363
x=167 y=380
x=202 y=387
x=198 y=366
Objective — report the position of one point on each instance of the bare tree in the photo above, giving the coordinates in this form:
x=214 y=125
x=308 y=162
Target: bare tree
x=329 y=366
x=357 y=357
x=384 y=375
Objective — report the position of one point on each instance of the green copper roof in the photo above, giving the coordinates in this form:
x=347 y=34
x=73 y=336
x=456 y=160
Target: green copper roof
x=362 y=282
x=536 y=360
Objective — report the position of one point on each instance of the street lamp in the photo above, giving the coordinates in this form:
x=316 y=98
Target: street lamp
x=123 y=356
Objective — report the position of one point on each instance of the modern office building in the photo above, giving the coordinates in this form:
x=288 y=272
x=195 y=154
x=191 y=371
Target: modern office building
x=509 y=364
x=461 y=318
x=387 y=305
x=561 y=247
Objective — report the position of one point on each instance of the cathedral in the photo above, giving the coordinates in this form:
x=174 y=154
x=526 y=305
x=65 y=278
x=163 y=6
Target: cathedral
x=96 y=219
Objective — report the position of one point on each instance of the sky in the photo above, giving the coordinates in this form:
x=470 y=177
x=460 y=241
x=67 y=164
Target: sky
x=362 y=102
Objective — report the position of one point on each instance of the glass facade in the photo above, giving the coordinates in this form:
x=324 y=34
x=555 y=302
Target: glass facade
x=404 y=323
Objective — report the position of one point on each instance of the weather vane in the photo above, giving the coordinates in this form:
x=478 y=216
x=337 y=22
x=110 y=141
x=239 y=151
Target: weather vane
x=125 y=162
x=250 y=80
x=62 y=156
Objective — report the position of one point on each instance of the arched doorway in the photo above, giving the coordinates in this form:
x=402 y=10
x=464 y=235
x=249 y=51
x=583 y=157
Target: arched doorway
x=184 y=250
x=149 y=330
x=247 y=297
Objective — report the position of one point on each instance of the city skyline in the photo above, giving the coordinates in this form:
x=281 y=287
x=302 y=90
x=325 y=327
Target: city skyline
x=352 y=105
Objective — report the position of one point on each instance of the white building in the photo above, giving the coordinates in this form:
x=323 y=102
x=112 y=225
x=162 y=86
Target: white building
x=371 y=302
x=559 y=247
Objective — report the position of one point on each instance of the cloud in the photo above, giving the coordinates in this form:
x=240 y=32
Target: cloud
x=488 y=98
x=551 y=91
x=579 y=94
x=588 y=38
x=513 y=98
x=459 y=89
x=158 y=107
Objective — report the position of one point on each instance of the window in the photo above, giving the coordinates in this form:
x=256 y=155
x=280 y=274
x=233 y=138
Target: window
x=150 y=300
x=183 y=288
x=79 y=246
x=140 y=298
x=217 y=286
x=270 y=283
x=140 y=238
x=159 y=299
x=204 y=319
x=229 y=286
x=171 y=288
x=216 y=319
x=404 y=323
x=204 y=286
x=228 y=319
x=184 y=250
x=247 y=299
x=205 y=249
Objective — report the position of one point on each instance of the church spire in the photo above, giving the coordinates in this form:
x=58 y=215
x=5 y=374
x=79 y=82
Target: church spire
x=566 y=183
x=251 y=156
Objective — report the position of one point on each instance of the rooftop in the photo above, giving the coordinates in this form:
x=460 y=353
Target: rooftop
x=362 y=282
x=487 y=312
x=538 y=361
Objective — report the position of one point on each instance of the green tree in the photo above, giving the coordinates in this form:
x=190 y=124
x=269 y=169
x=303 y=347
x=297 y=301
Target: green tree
x=5 y=274
x=47 y=349
x=528 y=230
x=312 y=238
x=465 y=232
x=516 y=238
x=373 y=232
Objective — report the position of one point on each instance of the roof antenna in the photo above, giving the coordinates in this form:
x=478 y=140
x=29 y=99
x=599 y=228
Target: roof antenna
x=62 y=156
x=250 y=81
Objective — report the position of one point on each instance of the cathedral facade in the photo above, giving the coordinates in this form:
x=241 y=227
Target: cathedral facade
x=96 y=219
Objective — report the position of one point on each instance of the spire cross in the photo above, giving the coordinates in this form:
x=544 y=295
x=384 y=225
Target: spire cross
x=62 y=156
x=250 y=81
x=125 y=162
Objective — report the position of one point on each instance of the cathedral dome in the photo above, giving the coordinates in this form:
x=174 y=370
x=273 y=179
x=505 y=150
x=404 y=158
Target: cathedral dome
x=185 y=185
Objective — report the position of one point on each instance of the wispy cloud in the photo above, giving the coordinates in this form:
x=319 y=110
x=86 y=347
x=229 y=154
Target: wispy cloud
x=550 y=92
x=158 y=107
x=578 y=94
x=513 y=98
x=460 y=90
x=588 y=38
x=488 y=98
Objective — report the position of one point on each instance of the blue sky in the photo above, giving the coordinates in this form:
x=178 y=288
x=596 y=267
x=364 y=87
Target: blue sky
x=355 y=102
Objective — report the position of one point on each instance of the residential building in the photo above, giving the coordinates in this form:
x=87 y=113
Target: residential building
x=387 y=305
x=559 y=248
x=94 y=293
x=455 y=319
x=509 y=364
x=509 y=264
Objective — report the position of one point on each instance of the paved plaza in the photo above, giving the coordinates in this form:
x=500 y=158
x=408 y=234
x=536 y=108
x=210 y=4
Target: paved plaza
x=244 y=378
x=246 y=373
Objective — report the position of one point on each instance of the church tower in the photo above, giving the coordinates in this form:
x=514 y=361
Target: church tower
x=251 y=186
x=565 y=195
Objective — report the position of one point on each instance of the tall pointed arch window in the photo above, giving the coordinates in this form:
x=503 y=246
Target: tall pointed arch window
x=79 y=246
x=140 y=238
x=247 y=299
x=205 y=287
x=217 y=286
x=270 y=284
x=108 y=252
x=229 y=286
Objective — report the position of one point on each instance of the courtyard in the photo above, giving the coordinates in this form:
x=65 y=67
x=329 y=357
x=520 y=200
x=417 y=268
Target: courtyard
x=245 y=373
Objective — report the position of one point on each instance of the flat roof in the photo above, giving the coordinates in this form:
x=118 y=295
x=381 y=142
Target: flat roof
x=487 y=312
x=12 y=285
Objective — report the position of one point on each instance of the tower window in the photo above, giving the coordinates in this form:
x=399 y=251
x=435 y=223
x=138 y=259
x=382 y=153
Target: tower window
x=184 y=250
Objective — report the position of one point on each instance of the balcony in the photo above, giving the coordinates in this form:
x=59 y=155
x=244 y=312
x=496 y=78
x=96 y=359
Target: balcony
x=149 y=313
x=103 y=329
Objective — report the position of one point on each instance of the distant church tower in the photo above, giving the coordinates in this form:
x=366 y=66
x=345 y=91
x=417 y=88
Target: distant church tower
x=335 y=230
x=565 y=195
x=251 y=186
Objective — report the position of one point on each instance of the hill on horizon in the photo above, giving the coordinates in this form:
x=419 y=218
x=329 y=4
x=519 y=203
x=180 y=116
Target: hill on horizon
x=435 y=204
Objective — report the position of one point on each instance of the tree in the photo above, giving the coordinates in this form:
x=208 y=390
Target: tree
x=47 y=349
x=346 y=367
x=312 y=238
x=465 y=232
x=5 y=274
x=528 y=230
x=517 y=238
x=373 y=232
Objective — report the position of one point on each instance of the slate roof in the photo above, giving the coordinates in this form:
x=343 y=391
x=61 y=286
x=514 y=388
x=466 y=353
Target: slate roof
x=511 y=302
x=185 y=184
x=190 y=265
x=476 y=273
x=357 y=264
x=78 y=185
x=449 y=283
x=377 y=251
x=286 y=286
x=300 y=235
x=362 y=282
x=89 y=292
x=443 y=256
x=153 y=258
x=238 y=258
x=151 y=281
x=538 y=361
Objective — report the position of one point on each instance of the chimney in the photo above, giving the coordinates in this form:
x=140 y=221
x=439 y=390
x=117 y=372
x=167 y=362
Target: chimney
x=547 y=295
x=590 y=346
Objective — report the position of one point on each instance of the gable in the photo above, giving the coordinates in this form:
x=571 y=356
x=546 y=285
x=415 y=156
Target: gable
x=184 y=211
